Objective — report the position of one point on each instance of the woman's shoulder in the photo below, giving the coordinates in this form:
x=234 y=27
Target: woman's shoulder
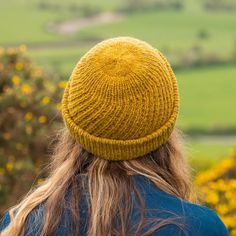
x=204 y=220
x=198 y=220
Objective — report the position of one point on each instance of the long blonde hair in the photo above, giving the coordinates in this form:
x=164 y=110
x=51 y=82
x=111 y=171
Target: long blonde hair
x=108 y=184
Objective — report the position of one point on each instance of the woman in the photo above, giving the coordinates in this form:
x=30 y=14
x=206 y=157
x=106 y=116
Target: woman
x=118 y=167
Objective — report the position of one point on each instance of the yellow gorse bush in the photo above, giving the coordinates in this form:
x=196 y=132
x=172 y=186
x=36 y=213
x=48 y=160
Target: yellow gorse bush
x=29 y=99
x=45 y=100
x=218 y=190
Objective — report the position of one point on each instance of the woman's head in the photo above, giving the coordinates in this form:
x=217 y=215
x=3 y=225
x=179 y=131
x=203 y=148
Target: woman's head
x=119 y=109
x=121 y=100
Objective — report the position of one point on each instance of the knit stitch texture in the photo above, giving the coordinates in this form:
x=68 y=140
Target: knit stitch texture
x=121 y=101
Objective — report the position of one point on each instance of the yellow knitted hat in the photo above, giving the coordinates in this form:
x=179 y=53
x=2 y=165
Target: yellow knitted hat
x=121 y=100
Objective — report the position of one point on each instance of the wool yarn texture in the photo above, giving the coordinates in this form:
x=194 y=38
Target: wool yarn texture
x=121 y=100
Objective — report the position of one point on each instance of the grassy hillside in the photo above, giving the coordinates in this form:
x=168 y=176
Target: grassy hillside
x=23 y=21
x=208 y=97
x=176 y=30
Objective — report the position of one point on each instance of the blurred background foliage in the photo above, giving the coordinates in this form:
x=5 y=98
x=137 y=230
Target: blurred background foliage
x=42 y=40
x=29 y=106
x=217 y=188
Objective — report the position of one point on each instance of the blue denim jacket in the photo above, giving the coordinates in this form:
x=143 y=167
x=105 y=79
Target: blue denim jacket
x=198 y=220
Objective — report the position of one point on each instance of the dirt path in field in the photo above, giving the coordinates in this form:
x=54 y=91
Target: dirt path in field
x=215 y=139
x=71 y=27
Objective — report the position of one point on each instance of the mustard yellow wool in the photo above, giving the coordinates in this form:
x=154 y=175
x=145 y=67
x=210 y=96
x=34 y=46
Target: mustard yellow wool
x=121 y=100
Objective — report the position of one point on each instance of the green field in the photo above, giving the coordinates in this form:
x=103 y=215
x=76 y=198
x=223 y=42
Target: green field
x=22 y=21
x=208 y=97
x=177 y=31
